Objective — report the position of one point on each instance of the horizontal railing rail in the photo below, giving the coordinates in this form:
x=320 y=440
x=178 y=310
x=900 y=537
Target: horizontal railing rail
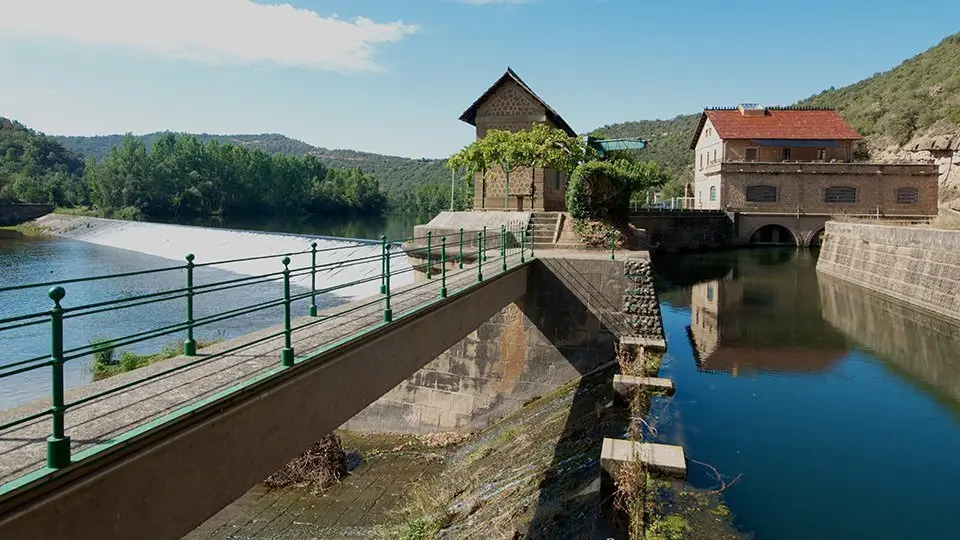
x=443 y=255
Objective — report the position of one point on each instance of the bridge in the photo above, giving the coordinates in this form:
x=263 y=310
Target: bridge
x=153 y=452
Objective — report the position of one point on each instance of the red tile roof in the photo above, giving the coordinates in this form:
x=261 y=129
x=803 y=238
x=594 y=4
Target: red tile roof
x=777 y=123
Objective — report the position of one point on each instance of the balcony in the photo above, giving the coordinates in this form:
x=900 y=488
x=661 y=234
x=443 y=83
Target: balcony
x=823 y=168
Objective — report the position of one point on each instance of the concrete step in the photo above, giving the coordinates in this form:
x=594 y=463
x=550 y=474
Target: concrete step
x=625 y=386
x=668 y=460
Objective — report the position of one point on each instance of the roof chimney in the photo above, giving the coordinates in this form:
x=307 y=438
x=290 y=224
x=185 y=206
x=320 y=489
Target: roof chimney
x=752 y=109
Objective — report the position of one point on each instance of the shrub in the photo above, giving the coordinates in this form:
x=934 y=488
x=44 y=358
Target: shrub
x=599 y=190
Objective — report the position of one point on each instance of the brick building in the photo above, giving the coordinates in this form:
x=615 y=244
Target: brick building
x=767 y=162
x=512 y=106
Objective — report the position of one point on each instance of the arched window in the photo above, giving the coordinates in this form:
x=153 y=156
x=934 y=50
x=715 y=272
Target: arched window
x=907 y=195
x=762 y=194
x=840 y=195
x=713 y=193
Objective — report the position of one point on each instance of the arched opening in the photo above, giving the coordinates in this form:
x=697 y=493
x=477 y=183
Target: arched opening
x=773 y=235
x=817 y=239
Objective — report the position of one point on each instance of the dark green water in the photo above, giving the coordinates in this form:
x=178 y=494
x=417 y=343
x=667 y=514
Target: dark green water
x=839 y=408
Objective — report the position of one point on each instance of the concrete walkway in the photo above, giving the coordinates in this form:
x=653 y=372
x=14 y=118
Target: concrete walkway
x=100 y=421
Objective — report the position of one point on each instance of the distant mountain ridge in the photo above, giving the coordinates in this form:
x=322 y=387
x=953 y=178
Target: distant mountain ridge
x=396 y=174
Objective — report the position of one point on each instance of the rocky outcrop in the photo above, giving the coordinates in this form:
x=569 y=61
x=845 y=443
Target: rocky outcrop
x=940 y=146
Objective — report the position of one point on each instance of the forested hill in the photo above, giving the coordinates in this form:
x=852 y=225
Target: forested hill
x=395 y=174
x=919 y=97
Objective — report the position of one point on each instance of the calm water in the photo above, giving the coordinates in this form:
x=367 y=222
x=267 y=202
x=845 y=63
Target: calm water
x=840 y=409
x=26 y=260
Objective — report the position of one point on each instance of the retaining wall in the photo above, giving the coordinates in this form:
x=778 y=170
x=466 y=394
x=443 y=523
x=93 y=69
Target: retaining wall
x=16 y=213
x=917 y=265
x=685 y=230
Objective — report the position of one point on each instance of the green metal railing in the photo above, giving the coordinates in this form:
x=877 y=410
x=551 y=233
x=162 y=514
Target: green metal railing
x=471 y=248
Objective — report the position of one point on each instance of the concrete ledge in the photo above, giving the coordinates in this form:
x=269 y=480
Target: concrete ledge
x=665 y=459
x=647 y=343
x=625 y=385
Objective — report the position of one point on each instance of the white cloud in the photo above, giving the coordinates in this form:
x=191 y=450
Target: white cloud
x=209 y=31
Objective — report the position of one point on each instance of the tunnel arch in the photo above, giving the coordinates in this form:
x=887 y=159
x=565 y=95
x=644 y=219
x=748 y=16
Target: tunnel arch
x=816 y=239
x=773 y=235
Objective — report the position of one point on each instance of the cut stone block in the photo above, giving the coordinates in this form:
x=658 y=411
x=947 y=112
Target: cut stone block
x=647 y=343
x=625 y=385
x=665 y=459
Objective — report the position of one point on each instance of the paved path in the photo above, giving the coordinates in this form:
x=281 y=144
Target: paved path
x=23 y=448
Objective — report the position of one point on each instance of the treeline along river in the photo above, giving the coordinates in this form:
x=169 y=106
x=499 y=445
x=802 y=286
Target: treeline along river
x=838 y=409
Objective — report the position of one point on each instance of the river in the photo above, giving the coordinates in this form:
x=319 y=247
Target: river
x=839 y=410
x=40 y=259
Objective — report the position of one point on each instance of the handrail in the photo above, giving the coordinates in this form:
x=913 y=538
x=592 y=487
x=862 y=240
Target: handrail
x=512 y=239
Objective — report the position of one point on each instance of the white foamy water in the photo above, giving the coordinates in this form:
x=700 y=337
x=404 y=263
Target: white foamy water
x=173 y=242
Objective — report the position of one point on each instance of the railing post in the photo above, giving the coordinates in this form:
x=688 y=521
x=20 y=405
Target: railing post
x=479 y=261
x=387 y=312
x=429 y=247
x=503 y=248
x=613 y=244
x=484 y=259
x=443 y=267
x=313 y=279
x=58 y=444
x=286 y=354
x=523 y=246
x=460 y=264
x=533 y=237
x=189 y=345
x=383 y=264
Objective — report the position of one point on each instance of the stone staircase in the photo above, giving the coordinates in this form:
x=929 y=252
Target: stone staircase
x=544 y=228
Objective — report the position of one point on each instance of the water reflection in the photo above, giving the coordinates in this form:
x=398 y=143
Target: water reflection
x=919 y=345
x=763 y=315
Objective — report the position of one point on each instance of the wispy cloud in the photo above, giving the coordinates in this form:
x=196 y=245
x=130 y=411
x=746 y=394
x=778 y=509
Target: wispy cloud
x=209 y=31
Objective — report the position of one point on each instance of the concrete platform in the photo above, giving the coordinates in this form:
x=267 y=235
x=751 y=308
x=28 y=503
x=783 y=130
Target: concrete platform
x=647 y=343
x=625 y=385
x=667 y=460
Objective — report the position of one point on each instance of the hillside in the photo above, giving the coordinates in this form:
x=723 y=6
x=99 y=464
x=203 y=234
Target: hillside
x=395 y=174
x=35 y=167
x=899 y=112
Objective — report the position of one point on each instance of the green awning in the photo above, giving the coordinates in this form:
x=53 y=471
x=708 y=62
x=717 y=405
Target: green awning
x=603 y=146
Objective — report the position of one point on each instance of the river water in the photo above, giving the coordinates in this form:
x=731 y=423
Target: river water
x=838 y=409
x=30 y=260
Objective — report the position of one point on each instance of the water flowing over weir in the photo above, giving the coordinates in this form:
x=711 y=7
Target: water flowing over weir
x=173 y=242
x=108 y=247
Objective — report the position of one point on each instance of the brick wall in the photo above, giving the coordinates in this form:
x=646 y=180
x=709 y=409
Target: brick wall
x=801 y=186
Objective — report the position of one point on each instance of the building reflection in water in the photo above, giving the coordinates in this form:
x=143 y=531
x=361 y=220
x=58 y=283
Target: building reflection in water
x=763 y=316
x=921 y=346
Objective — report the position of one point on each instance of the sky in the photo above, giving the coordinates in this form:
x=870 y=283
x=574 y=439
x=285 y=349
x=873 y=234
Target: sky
x=393 y=76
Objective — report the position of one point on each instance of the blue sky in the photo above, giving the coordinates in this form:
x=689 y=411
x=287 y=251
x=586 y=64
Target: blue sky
x=393 y=76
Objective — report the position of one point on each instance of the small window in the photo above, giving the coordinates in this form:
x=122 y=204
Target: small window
x=762 y=194
x=709 y=293
x=713 y=193
x=751 y=154
x=786 y=154
x=840 y=195
x=907 y=195
x=714 y=155
x=701 y=161
x=821 y=154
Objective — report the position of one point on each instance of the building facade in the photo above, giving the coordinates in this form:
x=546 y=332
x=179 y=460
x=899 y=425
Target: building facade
x=798 y=162
x=511 y=105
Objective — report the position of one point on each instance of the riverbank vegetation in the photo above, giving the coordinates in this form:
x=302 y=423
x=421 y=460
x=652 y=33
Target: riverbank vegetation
x=184 y=176
x=108 y=363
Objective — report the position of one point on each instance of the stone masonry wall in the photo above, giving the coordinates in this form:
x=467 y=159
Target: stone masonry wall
x=16 y=213
x=920 y=266
x=566 y=325
x=681 y=230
